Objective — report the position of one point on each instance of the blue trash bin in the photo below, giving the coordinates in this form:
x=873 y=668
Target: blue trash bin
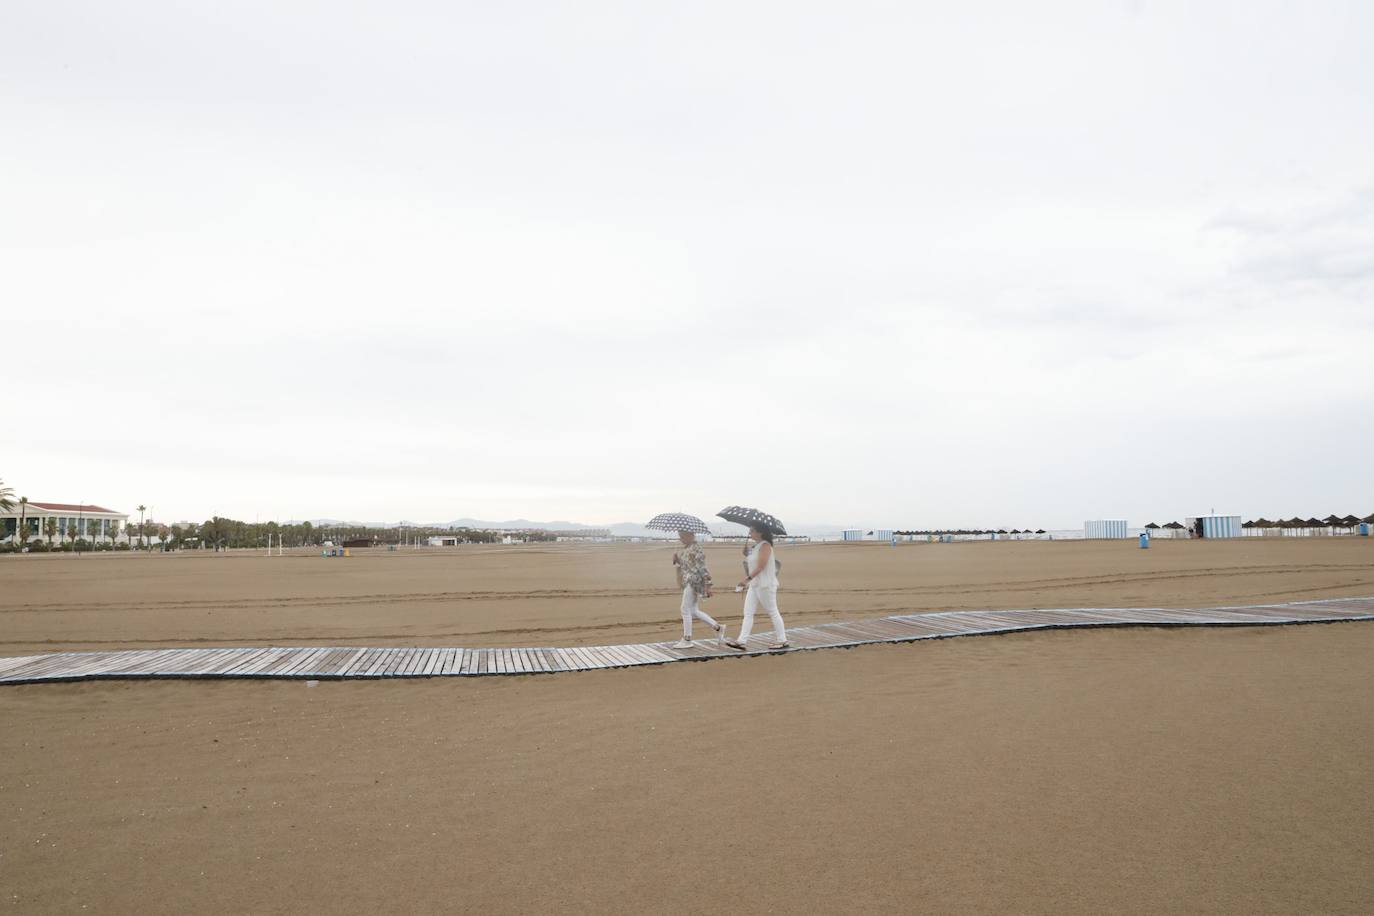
x=1144 y=541
x=1364 y=529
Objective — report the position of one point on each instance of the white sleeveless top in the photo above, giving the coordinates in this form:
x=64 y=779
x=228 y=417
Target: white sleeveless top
x=768 y=578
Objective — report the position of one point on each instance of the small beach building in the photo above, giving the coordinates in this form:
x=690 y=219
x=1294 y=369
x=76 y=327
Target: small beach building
x=1103 y=528
x=1219 y=526
x=852 y=534
x=443 y=540
x=880 y=534
x=88 y=522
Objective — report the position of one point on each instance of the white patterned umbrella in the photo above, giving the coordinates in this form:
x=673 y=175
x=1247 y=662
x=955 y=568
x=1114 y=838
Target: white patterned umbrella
x=743 y=515
x=678 y=521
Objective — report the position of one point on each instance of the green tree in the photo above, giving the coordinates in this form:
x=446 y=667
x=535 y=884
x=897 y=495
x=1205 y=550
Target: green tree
x=114 y=531
x=141 y=533
x=23 y=522
x=50 y=529
x=6 y=497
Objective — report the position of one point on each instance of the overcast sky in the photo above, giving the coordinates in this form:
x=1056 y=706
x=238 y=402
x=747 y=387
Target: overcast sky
x=858 y=263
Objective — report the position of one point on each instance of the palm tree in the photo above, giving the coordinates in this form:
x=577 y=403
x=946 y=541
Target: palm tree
x=114 y=531
x=6 y=497
x=23 y=526
x=50 y=529
x=141 y=532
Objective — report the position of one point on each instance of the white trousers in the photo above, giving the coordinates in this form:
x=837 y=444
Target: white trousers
x=767 y=598
x=691 y=607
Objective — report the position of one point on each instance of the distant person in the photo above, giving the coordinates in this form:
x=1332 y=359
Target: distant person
x=761 y=584
x=695 y=581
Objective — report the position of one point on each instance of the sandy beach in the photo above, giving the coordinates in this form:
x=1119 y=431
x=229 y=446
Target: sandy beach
x=568 y=594
x=1124 y=771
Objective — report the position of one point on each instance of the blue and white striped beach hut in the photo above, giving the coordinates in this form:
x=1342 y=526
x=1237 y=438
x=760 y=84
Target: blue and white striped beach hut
x=1220 y=526
x=1105 y=528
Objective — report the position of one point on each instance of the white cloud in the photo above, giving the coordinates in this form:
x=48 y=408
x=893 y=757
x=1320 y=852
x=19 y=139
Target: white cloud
x=860 y=263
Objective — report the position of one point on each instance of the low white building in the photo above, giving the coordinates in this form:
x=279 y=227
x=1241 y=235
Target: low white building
x=88 y=522
x=852 y=534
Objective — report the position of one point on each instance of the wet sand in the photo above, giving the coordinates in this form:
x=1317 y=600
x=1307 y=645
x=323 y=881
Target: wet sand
x=1103 y=771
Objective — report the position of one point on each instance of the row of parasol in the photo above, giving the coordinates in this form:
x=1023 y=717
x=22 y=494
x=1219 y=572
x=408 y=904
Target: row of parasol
x=1331 y=521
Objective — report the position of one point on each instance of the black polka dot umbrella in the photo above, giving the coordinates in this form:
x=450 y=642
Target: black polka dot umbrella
x=678 y=521
x=751 y=517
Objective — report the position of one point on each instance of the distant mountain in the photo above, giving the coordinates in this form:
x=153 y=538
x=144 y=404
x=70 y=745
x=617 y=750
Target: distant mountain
x=518 y=523
x=627 y=529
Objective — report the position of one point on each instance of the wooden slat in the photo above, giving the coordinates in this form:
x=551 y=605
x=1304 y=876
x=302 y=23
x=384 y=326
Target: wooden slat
x=425 y=663
x=435 y=661
x=288 y=659
x=413 y=658
x=148 y=664
x=169 y=661
x=310 y=660
x=617 y=656
x=49 y=667
x=399 y=659
x=233 y=665
x=15 y=661
x=95 y=661
x=328 y=662
x=42 y=665
x=574 y=658
x=396 y=661
x=259 y=662
x=295 y=660
x=594 y=656
x=443 y=657
x=347 y=664
x=310 y=665
x=416 y=663
x=213 y=660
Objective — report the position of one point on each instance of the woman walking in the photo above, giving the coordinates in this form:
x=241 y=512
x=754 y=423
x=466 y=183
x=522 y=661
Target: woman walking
x=695 y=581
x=761 y=582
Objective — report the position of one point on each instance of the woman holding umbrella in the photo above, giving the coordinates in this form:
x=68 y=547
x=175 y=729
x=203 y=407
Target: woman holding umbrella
x=692 y=575
x=761 y=574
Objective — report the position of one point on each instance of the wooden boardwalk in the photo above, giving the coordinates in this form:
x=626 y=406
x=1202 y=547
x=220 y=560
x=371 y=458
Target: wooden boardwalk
x=359 y=662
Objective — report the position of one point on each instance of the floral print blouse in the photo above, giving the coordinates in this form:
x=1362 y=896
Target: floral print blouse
x=691 y=568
